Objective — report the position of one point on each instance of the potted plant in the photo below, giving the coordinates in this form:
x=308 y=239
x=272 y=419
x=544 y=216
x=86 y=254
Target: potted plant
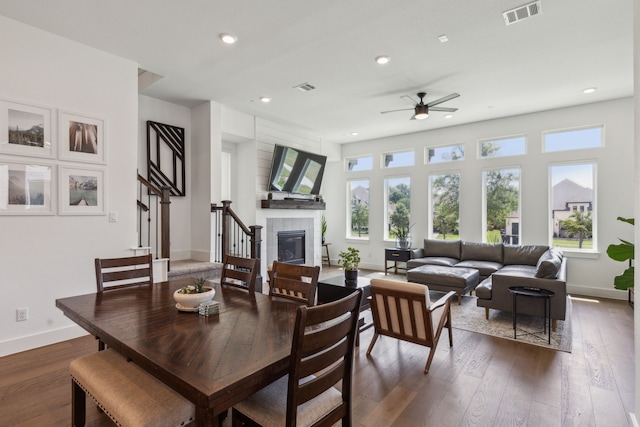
x=624 y=251
x=401 y=227
x=349 y=260
x=323 y=225
x=189 y=298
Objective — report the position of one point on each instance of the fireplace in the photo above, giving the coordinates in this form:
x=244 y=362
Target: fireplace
x=291 y=246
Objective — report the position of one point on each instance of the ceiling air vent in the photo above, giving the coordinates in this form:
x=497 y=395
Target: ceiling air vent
x=305 y=87
x=523 y=12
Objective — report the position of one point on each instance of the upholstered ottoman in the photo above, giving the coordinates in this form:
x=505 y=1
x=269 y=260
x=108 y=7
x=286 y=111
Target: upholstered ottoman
x=441 y=278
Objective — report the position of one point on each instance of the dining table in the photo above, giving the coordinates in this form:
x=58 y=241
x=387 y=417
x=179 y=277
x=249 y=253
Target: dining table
x=213 y=361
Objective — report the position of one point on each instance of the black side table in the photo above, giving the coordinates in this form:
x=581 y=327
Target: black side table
x=533 y=293
x=396 y=255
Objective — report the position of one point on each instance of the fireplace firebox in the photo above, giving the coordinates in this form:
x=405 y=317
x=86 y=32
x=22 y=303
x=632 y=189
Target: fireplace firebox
x=291 y=246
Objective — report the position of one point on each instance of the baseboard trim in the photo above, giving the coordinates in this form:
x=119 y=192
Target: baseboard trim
x=597 y=292
x=30 y=342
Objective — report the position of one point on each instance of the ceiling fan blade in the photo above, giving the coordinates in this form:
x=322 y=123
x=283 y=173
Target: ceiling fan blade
x=413 y=117
x=443 y=99
x=444 y=109
x=394 y=111
x=409 y=100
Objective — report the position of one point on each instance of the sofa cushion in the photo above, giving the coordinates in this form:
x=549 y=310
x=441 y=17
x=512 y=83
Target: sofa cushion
x=481 y=252
x=518 y=270
x=483 y=290
x=485 y=268
x=549 y=264
x=432 y=260
x=442 y=248
x=523 y=255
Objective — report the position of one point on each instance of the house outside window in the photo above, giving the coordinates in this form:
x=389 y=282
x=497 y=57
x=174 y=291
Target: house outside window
x=358 y=206
x=398 y=159
x=572 y=195
x=501 y=205
x=444 y=200
x=356 y=164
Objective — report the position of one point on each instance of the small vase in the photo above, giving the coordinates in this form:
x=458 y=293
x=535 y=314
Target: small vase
x=404 y=243
x=351 y=278
x=192 y=301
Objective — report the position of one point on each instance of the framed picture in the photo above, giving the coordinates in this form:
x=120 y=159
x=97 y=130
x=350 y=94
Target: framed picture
x=25 y=130
x=81 y=138
x=81 y=191
x=26 y=188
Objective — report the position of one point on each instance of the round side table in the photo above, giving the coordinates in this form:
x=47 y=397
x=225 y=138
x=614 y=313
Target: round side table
x=526 y=291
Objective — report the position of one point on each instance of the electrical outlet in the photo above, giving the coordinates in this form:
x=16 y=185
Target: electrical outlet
x=22 y=314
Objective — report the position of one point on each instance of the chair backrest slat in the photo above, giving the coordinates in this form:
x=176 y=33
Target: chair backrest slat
x=112 y=273
x=240 y=273
x=295 y=282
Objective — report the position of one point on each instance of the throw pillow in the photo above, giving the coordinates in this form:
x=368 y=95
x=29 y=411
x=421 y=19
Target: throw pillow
x=549 y=264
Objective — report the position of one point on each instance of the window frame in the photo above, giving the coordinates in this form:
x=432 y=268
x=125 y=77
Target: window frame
x=573 y=129
x=502 y=138
x=433 y=147
x=387 y=215
x=430 y=215
x=349 y=212
x=347 y=161
x=484 y=199
x=383 y=159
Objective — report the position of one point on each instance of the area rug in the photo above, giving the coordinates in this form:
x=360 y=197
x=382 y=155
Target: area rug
x=470 y=317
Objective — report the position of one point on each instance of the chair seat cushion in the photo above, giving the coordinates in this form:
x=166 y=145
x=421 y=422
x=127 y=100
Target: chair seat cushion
x=127 y=393
x=486 y=268
x=268 y=406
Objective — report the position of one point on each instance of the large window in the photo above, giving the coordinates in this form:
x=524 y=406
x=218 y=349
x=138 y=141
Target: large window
x=511 y=146
x=573 y=139
x=447 y=153
x=572 y=205
x=501 y=191
x=398 y=203
x=444 y=193
x=398 y=159
x=358 y=216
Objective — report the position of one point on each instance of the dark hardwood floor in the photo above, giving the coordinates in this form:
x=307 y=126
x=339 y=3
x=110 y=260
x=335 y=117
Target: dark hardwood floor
x=480 y=381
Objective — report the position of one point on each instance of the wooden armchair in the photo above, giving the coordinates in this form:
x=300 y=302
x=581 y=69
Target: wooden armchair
x=293 y=281
x=403 y=310
x=240 y=273
x=321 y=357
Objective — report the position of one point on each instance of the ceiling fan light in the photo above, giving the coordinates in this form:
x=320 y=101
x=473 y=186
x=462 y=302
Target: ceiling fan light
x=422 y=112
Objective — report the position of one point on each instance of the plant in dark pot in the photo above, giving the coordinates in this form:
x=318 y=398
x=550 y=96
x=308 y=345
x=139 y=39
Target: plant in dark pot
x=323 y=225
x=349 y=260
x=400 y=226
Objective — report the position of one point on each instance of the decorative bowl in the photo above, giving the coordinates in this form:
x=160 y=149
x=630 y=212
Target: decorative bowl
x=194 y=300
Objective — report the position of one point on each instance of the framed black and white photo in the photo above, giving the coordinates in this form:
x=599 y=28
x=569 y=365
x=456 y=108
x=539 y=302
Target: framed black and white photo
x=26 y=188
x=81 y=191
x=26 y=130
x=82 y=138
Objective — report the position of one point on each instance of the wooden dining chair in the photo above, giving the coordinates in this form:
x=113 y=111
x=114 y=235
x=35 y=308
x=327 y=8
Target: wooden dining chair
x=112 y=273
x=403 y=310
x=293 y=281
x=321 y=357
x=240 y=273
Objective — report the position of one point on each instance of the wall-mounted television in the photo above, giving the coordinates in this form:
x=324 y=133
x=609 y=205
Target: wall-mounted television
x=296 y=171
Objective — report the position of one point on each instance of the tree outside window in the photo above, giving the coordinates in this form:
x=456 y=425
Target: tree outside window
x=445 y=205
x=358 y=226
x=502 y=203
x=398 y=197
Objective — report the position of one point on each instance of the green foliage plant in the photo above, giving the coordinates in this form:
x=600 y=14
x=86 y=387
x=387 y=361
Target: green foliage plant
x=400 y=222
x=196 y=288
x=349 y=259
x=578 y=224
x=323 y=225
x=624 y=251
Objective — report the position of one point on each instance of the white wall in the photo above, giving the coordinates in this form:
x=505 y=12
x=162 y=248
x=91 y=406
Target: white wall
x=47 y=257
x=174 y=115
x=591 y=275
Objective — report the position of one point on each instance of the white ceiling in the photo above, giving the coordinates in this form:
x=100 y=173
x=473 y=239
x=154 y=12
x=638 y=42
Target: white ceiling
x=540 y=63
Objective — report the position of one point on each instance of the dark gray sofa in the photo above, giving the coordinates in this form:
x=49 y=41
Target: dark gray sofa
x=500 y=267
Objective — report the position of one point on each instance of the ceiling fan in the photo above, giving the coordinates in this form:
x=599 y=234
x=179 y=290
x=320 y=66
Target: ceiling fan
x=421 y=110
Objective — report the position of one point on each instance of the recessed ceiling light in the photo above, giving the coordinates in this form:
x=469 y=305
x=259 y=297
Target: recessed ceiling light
x=448 y=116
x=354 y=133
x=443 y=38
x=382 y=59
x=265 y=99
x=589 y=90
x=228 y=38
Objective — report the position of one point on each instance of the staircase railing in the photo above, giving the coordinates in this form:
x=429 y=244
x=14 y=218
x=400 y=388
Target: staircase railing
x=154 y=208
x=232 y=236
